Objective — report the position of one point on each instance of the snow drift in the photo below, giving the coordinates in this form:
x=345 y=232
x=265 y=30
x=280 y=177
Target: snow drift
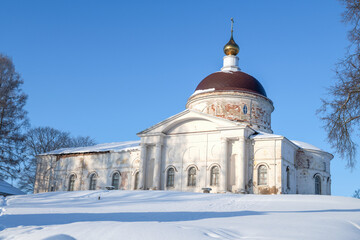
x=177 y=215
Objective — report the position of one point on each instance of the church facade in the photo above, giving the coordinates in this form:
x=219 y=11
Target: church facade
x=222 y=142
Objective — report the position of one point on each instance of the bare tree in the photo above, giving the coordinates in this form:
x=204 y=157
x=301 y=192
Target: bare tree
x=341 y=112
x=45 y=139
x=12 y=119
x=357 y=194
x=41 y=140
x=81 y=141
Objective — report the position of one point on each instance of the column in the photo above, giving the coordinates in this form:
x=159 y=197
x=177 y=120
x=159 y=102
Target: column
x=157 y=167
x=142 y=170
x=241 y=181
x=224 y=165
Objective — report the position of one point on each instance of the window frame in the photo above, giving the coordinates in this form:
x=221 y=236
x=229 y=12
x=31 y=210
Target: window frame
x=93 y=181
x=317 y=185
x=170 y=177
x=288 y=177
x=113 y=179
x=214 y=176
x=71 y=185
x=136 y=180
x=191 y=177
x=262 y=180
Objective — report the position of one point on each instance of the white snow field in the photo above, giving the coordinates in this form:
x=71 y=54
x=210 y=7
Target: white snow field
x=149 y=215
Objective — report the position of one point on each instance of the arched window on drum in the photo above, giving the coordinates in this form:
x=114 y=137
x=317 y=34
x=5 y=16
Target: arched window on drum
x=317 y=185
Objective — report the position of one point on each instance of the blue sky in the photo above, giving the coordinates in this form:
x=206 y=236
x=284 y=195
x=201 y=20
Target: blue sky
x=109 y=69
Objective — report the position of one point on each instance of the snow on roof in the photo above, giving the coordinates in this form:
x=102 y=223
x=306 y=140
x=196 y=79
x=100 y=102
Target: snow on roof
x=203 y=91
x=262 y=135
x=265 y=135
x=8 y=189
x=306 y=145
x=105 y=147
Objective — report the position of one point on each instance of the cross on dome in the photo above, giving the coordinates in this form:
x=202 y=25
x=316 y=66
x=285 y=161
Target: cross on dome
x=231 y=48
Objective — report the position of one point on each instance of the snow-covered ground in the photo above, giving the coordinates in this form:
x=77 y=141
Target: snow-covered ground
x=148 y=215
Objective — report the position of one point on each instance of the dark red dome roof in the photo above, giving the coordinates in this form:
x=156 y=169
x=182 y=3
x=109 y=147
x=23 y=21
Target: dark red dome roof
x=236 y=81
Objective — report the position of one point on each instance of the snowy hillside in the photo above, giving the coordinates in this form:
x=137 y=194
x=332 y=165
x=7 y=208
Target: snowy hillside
x=148 y=215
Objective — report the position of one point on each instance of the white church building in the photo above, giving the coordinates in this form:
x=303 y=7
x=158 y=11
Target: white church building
x=222 y=142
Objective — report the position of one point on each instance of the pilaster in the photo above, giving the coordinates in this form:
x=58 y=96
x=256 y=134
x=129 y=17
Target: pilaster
x=241 y=181
x=142 y=168
x=157 y=166
x=224 y=165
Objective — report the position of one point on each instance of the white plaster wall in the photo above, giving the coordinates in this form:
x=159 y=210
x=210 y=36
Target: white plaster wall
x=185 y=151
x=288 y=155
x=198 y=143
x=268 y=152
x=43 y=173
x=309 y=164
x=104 y=165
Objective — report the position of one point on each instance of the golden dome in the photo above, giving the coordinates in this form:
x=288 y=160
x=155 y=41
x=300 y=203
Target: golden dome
x=231 y=48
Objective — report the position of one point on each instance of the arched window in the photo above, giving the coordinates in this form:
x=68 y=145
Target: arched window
x=262 y=175
x=93 y=178
x=287 y=177
x=192 y=177
x=214 y=176
x=317 y=185
x=170 y=177
x=136 y=182
x=115 y=180
x=71 y=182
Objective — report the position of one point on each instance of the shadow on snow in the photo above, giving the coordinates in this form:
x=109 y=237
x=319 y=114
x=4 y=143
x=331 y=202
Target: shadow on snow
x=8 y=221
